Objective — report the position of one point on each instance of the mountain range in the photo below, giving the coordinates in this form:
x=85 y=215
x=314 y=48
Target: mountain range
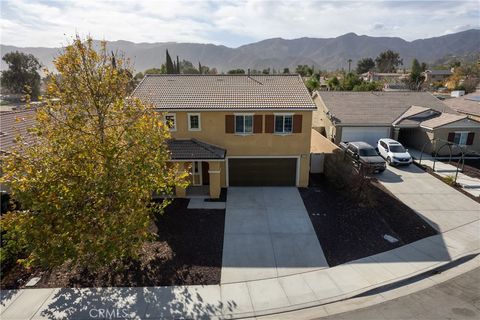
x=278 y=53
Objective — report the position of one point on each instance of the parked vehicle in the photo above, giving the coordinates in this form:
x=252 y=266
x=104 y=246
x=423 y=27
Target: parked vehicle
x=365 y=155
x=393 y=152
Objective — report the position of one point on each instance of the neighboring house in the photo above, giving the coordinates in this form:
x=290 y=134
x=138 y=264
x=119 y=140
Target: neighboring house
x=395 y=87
x=12 y=125
x=386 y=77
x=235 y=130
x=417 y=119
x=436 y=75
x=468 y=104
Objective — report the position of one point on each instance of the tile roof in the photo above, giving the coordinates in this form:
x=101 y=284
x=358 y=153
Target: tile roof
x=17 y=123
x=376 y=108
x=411 y=116
x=14 y=124
x=225 y=92
x=467 y=104
x=194 y=149
x=441 y=120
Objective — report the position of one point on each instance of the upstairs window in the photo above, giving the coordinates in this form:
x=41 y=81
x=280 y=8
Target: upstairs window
x=283 y=123
x=194 y=122
x=171 y=121
x=243 y=124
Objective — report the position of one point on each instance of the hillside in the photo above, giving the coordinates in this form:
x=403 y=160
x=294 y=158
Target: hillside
x=326 y=53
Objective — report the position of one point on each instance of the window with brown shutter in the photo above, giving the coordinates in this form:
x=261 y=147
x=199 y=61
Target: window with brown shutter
x=451 y=136
x=269 y=123
x=229 y=123
x=257 y=123
x=470 y=137
x=297 y=123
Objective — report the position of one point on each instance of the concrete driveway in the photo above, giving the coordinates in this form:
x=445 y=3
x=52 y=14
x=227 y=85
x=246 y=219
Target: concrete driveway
x=268 y=234
x=443 y=207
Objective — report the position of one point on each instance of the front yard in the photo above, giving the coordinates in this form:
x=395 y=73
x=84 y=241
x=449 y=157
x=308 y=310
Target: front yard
x=188 y=251
x=350 y=229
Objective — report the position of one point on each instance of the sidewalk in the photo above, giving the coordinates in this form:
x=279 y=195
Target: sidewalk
x=469 y=184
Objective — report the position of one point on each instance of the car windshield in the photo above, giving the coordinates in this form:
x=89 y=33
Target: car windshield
x=370 y=152
x=397 y=149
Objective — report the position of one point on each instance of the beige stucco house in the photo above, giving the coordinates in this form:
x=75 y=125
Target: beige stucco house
x=416 y=119
x=235 y=130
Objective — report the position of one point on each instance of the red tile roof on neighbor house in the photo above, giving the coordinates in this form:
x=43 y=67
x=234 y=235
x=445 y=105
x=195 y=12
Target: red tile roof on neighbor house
x=14 y=124
x=225 y=92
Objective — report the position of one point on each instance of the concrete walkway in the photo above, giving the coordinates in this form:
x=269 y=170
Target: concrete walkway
x=268 y=234
x=469 y=184
x=452 y=213
x=439 y=204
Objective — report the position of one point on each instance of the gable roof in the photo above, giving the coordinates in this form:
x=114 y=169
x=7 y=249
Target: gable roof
x=376 y=108
x=468 y=104
x=442 y=119
x=225 y=92
x=194 y=149
x=13 y=124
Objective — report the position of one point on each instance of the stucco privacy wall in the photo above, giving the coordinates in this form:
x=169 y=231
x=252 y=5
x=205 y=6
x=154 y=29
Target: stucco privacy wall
x=212 y=131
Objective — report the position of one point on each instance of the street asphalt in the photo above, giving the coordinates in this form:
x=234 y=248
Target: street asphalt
x=458 y=298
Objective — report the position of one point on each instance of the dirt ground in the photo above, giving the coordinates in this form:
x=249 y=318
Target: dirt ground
x=188 y=251
x=349 y=229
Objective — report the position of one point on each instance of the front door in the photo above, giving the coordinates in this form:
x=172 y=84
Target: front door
x=205 y=174
x=197 y=173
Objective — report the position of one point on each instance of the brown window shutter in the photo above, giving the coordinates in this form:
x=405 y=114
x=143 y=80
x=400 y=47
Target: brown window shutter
x=269 y=123
x=229 y=123
x=451 y=136
x=470 y=137
x=297 y=123
x=257 y=123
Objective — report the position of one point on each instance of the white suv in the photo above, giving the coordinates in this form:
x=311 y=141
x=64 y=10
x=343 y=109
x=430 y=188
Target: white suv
x=393 y=152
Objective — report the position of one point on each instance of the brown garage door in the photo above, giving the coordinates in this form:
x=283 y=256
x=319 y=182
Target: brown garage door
x=262 y=172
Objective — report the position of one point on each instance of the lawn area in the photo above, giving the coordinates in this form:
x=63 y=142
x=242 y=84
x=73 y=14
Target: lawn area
x=348 y=230
x=188 y=251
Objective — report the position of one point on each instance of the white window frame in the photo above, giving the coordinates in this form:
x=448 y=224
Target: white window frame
x=461 y=133
x=199 y=122
x=283 y=133
x=235 y=115
x=174 y=115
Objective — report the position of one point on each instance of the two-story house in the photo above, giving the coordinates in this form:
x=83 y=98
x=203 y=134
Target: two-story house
x=235 y=130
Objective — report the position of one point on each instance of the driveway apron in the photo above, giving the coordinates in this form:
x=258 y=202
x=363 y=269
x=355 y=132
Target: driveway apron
x=268 y=234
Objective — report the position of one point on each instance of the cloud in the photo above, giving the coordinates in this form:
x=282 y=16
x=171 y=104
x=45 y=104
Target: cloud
x=233 y=23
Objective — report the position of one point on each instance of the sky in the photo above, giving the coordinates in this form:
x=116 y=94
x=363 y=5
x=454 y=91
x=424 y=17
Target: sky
x=233 y=23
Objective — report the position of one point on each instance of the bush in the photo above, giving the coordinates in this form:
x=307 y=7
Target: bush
x=13 y=241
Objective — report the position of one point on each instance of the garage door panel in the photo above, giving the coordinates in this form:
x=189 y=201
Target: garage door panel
x=262 y=172
x=370 y=135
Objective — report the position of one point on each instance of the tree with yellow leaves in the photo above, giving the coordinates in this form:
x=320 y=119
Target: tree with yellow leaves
x=85 y=183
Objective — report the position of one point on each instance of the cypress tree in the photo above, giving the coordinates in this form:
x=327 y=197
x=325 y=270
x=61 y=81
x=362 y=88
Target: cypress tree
x=169 y=64
x=178 y=65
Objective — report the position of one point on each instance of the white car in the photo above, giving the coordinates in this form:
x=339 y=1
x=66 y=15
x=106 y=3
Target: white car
x=393 y=152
